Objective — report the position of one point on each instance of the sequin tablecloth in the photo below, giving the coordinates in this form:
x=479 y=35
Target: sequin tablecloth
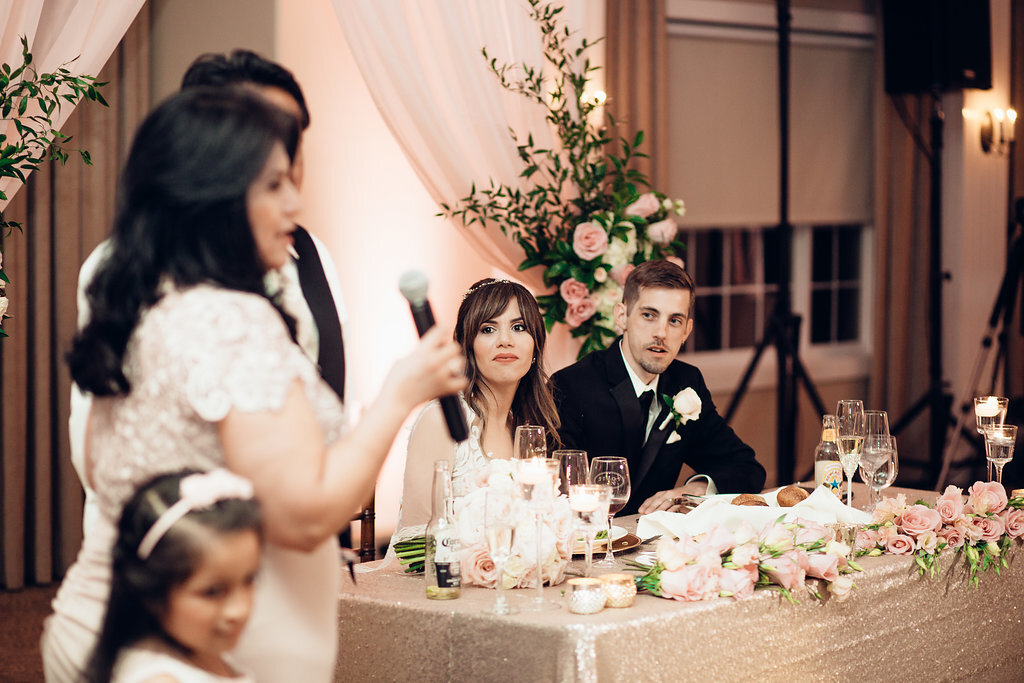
x=895 y=625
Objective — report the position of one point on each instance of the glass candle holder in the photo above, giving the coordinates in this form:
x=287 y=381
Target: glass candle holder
x=619 y=590
x=586 y=596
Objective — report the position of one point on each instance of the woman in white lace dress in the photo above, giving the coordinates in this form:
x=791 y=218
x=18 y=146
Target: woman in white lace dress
x=193 y=366
x=502 y=335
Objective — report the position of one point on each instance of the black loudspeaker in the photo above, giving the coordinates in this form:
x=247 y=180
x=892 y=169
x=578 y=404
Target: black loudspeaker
x=936 y=44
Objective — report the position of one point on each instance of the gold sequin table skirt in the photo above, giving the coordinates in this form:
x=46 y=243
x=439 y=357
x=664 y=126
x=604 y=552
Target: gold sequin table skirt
x=896 y=625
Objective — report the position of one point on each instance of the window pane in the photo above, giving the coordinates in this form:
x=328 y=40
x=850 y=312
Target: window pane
x=741 y=253
x=849 y=314
x=849 y=253
x=821 y=316
x=742 y=320
x=821 y=254
x=707 y=323
x=707 y=257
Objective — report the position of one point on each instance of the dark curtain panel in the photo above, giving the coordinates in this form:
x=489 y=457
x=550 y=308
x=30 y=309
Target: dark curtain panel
x=66 y=212
x=635 y=54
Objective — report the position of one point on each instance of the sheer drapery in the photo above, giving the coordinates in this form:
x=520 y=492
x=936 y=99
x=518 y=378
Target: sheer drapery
x=66 y=211
x=422 y=63
x=637 y=79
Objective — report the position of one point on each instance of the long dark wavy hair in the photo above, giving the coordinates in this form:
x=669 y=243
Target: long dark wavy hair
x=181 y=216
x=140 y=588
x=486 y=300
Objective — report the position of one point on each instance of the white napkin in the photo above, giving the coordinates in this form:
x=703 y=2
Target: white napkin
x=821 y=506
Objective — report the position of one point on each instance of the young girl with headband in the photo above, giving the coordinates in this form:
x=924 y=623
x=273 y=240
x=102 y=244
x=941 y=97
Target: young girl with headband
x=185 y=564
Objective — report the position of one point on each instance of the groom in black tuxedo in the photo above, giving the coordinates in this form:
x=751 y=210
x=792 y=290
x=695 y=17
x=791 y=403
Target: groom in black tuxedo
x=605 y=408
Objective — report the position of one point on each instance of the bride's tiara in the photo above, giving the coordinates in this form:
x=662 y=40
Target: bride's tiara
x=484 y=284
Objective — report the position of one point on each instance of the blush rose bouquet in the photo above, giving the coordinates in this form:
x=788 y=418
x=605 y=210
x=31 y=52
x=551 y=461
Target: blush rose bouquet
x=722 y=563
x=580 y=212
x=983 y=529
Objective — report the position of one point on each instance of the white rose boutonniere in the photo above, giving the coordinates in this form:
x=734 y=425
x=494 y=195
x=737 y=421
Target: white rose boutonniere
x=683 y=407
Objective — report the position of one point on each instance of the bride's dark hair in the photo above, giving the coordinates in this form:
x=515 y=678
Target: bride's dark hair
x=487 y=299
x=180 y=217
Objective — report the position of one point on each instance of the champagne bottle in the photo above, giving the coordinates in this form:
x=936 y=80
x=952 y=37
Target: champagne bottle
x=442 y=552
x=828 y=470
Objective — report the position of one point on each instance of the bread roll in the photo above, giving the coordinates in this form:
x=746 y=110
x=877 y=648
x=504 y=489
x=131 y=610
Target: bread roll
x=789 y=496
x=749 y=499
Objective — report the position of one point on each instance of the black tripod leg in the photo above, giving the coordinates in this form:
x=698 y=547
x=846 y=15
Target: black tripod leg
x=737 y=396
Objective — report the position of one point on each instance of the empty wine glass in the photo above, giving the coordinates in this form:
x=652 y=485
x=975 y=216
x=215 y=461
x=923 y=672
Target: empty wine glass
x=612 y=471
x=589 y=504
x=999 y=443
x=884 y=475
x=988 y=411
x=530 y=442
x=501 y=515
x=850 y=429
x=875 y=449
x=573 y=467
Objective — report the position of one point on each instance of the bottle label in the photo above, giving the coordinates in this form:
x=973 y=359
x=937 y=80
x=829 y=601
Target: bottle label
x=447 y=574
x=829 y=473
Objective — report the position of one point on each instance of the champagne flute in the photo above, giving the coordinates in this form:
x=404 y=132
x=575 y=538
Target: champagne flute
x=537 y=477
x=885 y=475
x=875 y=449
x=850 y=428
x=589 y=504
x=989 y=410
x=999 y=443
x=500 y=518
x=574 y=467
x=612 y=471
x=530 y=442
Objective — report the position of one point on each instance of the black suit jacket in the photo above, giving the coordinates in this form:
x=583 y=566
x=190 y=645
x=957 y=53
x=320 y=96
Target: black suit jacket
x=601 y=414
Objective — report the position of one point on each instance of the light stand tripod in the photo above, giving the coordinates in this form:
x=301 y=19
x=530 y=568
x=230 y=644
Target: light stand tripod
x=783 y=327
x=999 y=320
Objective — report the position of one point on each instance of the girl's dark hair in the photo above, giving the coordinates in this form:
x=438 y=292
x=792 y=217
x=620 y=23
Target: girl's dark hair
x=181 y=215
x=139 y=588
x=486 y=300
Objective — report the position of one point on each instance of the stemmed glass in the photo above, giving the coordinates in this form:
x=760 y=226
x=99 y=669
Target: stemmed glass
x=885 y=475
x=530 y=442
x=999 y=443
x=850 y=428
x=537 y=482
x=589 y=504
x=989 y=411
x=500 y=517
x=875 y=450
x=573 y=467
x=612 y=471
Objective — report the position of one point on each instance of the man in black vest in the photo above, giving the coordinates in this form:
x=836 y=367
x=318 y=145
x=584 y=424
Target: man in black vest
x=612 y=402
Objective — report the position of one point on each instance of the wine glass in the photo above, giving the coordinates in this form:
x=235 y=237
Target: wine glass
x=885 y=475
x=850 y=428
x=875 y=449
x=589 y=504
x=500 y=517
x=999 y=443
x=530 y=442
x=537 y=482
x=573 y=467
x=612 y=471
x=989 y=410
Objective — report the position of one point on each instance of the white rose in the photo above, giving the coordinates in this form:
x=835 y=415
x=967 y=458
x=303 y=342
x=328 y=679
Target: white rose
x=3 y=306
x=687 y=404
x=620 y=252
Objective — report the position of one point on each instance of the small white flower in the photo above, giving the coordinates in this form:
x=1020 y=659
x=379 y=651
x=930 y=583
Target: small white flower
x=3 y=306
x=600 y=275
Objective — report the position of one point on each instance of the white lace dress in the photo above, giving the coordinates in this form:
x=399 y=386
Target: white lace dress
x=194 y=356
x=144 y=662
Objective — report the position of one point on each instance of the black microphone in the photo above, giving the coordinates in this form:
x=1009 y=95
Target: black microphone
x=413 y=285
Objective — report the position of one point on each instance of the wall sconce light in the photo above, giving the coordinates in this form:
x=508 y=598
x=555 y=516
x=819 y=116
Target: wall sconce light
x=997 y=131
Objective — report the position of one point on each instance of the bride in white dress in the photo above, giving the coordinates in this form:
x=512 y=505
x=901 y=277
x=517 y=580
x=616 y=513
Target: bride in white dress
x=501 y=332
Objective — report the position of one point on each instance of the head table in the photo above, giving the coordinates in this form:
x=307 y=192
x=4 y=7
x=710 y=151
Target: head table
x=895 y=624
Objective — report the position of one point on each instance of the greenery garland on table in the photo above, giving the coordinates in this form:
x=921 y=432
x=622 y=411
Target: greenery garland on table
x=34 y=98
x=583 y=216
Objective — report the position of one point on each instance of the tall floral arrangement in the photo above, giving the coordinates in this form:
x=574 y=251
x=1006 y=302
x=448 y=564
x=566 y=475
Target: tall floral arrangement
x=583 y=214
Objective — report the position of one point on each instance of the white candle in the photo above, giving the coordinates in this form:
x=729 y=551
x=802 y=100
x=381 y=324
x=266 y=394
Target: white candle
x=533 y=471
x=987 y=408
x=583 y=502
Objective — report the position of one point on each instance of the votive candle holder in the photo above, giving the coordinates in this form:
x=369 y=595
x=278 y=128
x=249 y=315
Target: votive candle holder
x=586 y=595
x=619 y=590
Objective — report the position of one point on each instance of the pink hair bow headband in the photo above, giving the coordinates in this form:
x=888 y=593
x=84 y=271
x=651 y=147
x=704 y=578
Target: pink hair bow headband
x=197 y=491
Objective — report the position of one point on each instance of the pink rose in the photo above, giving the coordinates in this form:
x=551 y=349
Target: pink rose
x=916 y=519
x=572 y=290
x=739 y=583
x=823 y=566
x=620 y=273
x=969 y=528
x=675 y=554
x=900 y=544
x=927 y=541
x=676 y=260
x=746 y=555
x=1014 y=522
x=841 y=587
x=691 y=582
x=777 y=537
x=950 y=504
x=478 y=567
x=953 y=536
x=786 y=570
x=809 y=533
x=644 y=206
x=718 y=540
x=663 y=232
x=589 y=241
x=866 y=539
x=889 y=509
x=580 y=312
x=992 y=528
x=987 y=496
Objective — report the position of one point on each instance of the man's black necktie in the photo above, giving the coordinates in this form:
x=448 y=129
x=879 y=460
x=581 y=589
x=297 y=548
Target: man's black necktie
x=646 y=399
